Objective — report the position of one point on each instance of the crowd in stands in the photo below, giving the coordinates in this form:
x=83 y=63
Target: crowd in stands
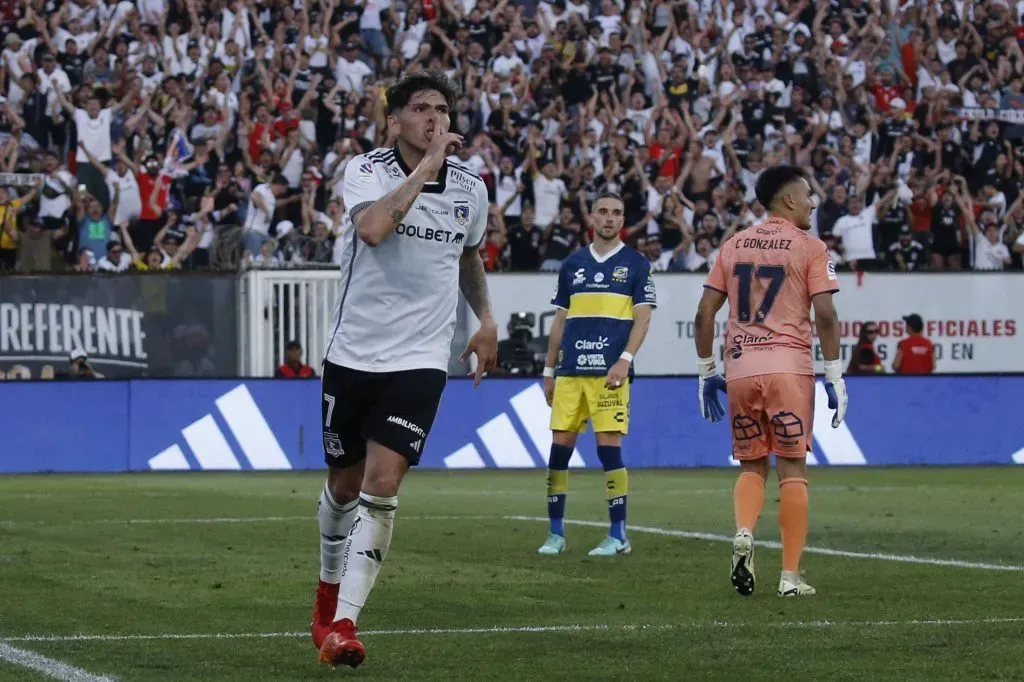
x=161 y=134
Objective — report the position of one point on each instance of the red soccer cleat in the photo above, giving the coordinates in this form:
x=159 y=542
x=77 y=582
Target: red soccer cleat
x=323 y=611
x=341 y=646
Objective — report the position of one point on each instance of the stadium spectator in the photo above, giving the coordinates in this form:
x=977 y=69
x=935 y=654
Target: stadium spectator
x=36 y=245
x=865 y=358
x=293 y=367
x=990 y=253
x=524 y=243
x=916 y=353
x=79 y=367
x=902 y=115
x=9 y=227
x=115 y=260
x=906 y=254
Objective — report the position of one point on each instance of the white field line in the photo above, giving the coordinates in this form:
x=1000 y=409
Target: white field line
x=711 y=537
x=47 y=666
x=667 y=532
x=528 y=629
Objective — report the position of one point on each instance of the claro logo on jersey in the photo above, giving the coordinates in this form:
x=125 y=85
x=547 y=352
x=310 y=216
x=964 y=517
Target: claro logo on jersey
x=430 y=234
x=600 y=344
x=751 y=342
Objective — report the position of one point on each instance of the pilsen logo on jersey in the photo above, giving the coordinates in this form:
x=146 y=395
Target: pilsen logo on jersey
x=461 y=179
x=461 y=212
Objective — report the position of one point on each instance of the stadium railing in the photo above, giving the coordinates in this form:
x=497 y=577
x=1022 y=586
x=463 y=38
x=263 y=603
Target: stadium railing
x=279 y=306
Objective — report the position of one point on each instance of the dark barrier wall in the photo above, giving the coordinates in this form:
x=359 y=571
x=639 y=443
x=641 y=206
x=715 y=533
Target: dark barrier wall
x=129 y=325
x=266 y=424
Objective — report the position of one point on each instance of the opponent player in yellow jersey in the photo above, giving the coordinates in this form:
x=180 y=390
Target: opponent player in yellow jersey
x=772 y=274
x=604 y=300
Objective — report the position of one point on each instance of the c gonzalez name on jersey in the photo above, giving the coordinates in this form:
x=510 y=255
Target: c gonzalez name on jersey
x=397 y=304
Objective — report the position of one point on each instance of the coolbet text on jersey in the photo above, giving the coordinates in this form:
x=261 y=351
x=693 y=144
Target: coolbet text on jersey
x=598 y=295
x=397 y=305
x=770 y=272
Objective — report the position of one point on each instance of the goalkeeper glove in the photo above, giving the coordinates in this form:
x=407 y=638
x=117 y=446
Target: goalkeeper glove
x=835 y=389
x=709 y=383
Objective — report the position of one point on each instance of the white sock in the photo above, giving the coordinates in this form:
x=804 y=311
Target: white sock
x=365 y=550
x=791 y=576
x=335 y=523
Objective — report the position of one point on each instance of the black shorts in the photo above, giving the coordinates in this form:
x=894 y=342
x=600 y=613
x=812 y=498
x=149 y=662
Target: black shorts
x=395 y=409
x=947 y=248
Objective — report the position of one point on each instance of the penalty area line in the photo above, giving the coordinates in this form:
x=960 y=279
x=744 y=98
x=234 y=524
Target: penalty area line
x=500 y=630
x=712 y=537
x=23 y=658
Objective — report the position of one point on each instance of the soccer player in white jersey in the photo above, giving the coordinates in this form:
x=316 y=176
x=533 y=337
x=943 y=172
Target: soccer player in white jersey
x=411 y=244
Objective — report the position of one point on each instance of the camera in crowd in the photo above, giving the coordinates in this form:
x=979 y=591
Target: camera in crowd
x=79 y=367
x=522 y=354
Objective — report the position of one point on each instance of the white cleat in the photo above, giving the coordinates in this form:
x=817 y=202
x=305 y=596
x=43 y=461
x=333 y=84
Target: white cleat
x=795 y=586
x=555 y=544
x=743 y=562
x=611 y=547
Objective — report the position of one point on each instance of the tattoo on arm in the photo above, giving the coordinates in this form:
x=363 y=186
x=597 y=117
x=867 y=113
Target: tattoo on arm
x=387 y=212
x=473 y=283
x=398 y=202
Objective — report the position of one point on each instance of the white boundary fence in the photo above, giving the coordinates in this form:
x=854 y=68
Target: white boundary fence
x=279 y=306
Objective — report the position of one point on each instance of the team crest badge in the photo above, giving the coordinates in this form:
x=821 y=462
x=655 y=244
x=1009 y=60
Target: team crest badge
x=620 y=273
x=461 y=214
x=366 y=168
x=332 y=444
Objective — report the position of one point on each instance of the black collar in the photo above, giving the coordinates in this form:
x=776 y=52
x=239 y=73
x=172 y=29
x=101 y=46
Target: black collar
x=428 y=187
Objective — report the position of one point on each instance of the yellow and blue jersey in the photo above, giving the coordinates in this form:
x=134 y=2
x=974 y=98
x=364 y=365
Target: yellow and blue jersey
x=599 y=296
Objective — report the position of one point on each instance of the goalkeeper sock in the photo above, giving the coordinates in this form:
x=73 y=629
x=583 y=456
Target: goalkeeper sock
x=365 y=550
x=558 y=486
x=747 y=499
x=793 y=521
x=335 y=522
x=616 y=486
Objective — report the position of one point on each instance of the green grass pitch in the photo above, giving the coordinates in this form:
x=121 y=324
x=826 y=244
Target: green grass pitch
x=129 y=560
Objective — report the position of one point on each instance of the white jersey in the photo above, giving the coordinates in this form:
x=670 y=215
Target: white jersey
x=256 y=219
x=397 y=303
